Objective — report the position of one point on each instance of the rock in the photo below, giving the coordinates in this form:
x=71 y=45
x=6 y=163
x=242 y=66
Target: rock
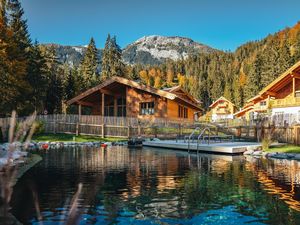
x=257 y=153
x=297 y=157
x=279 y=156
x=248 y=152
x=3 y=161
x=290 y=155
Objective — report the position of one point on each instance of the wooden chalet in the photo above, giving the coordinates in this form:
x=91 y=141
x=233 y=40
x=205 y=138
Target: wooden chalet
x=222 y=109
x=282 y=96
x=120 y=97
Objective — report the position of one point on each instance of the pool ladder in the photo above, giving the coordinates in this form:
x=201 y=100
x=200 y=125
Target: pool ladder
x=201 y=135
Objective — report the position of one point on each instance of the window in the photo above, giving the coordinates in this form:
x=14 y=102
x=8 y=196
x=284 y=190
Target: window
x=263 y=103
x=182 y=112
x=121 y=107
x=297 y=94
x=147 y=108
x=109 y=110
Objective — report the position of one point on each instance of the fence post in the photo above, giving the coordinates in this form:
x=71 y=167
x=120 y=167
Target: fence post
x=54 y=124
x=103 y=130
x=128 y=131
x=77 y=128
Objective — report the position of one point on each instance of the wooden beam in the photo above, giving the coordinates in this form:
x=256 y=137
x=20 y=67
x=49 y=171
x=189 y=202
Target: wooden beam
x=294 y=86
x=85 y=103
x=79 y=110
x=115 y=106
x=107 y=92
x=272 y=93
x=102 y=112
x=102 y=104
x=295 y=75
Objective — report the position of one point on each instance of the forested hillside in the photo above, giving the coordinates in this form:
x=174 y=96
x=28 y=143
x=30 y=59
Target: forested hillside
x=237 y=75
x=33 y=78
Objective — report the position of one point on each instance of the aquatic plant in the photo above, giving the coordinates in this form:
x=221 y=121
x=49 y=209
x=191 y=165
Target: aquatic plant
x=19 y=136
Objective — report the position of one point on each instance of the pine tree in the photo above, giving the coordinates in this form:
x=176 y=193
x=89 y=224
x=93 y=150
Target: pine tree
x=89 y=66
x=117 y=65
x=111 y=62
x=19 y=25
x=105 y=59
x=54 y=92
x=37 y=78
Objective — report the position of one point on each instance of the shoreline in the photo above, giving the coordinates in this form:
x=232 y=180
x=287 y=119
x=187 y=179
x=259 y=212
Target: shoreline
x=22 y=168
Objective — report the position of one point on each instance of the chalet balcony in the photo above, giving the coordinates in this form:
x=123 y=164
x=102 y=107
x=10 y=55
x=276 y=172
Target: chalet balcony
x=287 y=102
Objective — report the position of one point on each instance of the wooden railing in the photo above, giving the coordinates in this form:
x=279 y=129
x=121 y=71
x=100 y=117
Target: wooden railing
x=286 y=102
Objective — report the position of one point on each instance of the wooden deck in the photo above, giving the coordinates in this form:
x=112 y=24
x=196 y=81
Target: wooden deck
x=225 y=147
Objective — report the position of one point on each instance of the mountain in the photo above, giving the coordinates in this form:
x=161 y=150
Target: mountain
x=71 y=55
x=146 y=50
x=156 y=49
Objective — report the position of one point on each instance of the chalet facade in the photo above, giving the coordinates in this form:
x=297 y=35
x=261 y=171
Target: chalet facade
x=282 y=96
x=222 y=109
x=120 y=97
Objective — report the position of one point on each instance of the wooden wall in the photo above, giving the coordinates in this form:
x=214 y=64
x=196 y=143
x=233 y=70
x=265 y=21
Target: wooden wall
x=173 y=110
x=133 y=99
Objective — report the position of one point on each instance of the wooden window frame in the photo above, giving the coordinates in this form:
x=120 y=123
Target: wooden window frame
x=147 y=108
x=183 y=112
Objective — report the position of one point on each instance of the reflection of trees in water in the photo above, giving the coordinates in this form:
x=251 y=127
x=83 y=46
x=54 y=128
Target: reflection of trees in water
x=237 y=186
x=279 y=177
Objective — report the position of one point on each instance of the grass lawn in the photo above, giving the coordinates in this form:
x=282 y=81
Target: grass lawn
x=69 y=137
x=285 y=149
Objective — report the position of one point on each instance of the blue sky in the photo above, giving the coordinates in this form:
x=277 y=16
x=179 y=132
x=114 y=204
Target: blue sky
x=222 y=24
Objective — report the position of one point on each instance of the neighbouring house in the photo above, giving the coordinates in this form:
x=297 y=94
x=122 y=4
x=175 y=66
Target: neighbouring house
x=222 y=109
x=120 y=97
x=281 y=97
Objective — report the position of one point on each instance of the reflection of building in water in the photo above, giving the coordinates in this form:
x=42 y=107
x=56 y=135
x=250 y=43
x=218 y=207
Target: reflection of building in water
x=279 y=177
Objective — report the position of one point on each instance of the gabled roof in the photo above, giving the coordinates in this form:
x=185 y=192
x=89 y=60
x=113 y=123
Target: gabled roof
x=133 y=84
x=278 y=83
x=294 y=71
x=220 y=99
x=242 y=111
x=177 y=89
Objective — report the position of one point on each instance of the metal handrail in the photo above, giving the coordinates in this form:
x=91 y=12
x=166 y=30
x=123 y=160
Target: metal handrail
x=201 y=135
x=191 y=136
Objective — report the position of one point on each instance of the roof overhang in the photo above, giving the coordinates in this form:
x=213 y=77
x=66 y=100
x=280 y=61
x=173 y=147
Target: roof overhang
x=220 y=99
x=133 y=84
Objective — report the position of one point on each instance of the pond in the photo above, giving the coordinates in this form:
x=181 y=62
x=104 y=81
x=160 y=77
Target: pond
x=151 y=186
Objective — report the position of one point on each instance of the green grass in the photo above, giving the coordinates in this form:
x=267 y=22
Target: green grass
x=69 y=137
x=285 y=149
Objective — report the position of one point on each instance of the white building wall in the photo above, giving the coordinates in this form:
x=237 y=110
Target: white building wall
x=286 y=110
x=216 y=117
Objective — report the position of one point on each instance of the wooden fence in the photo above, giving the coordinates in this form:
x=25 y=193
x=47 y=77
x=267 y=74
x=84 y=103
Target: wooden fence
x=125 y=127
x=108 y=126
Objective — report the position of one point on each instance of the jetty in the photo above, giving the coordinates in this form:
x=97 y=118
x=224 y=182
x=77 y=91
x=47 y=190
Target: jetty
x=216 y=147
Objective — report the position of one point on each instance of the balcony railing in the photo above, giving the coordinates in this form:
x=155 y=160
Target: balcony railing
x=287 y=102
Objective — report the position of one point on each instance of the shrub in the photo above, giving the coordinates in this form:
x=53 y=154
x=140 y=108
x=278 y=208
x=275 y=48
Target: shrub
x=266 y=142
x=39 y=127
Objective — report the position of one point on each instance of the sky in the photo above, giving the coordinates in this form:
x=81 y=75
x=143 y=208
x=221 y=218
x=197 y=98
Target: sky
x=222 y=24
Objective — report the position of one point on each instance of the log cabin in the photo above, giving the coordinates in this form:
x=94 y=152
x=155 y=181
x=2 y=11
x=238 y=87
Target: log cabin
x=222 y=109
x=282 y=96
x=120 y=97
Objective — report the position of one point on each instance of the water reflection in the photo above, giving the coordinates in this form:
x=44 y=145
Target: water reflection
x=160 y=186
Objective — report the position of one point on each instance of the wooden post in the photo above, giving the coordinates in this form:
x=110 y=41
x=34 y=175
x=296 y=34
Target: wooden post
x=54 y=124
x=294 y=86
x=102 y=112
x=115 y=106
x=139 y=129
x=128 y=131
x=79 y=117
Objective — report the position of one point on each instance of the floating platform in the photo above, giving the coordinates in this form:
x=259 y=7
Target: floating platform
x=214 y=147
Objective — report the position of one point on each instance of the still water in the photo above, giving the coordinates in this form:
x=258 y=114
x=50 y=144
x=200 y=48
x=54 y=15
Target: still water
x=150 y=186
